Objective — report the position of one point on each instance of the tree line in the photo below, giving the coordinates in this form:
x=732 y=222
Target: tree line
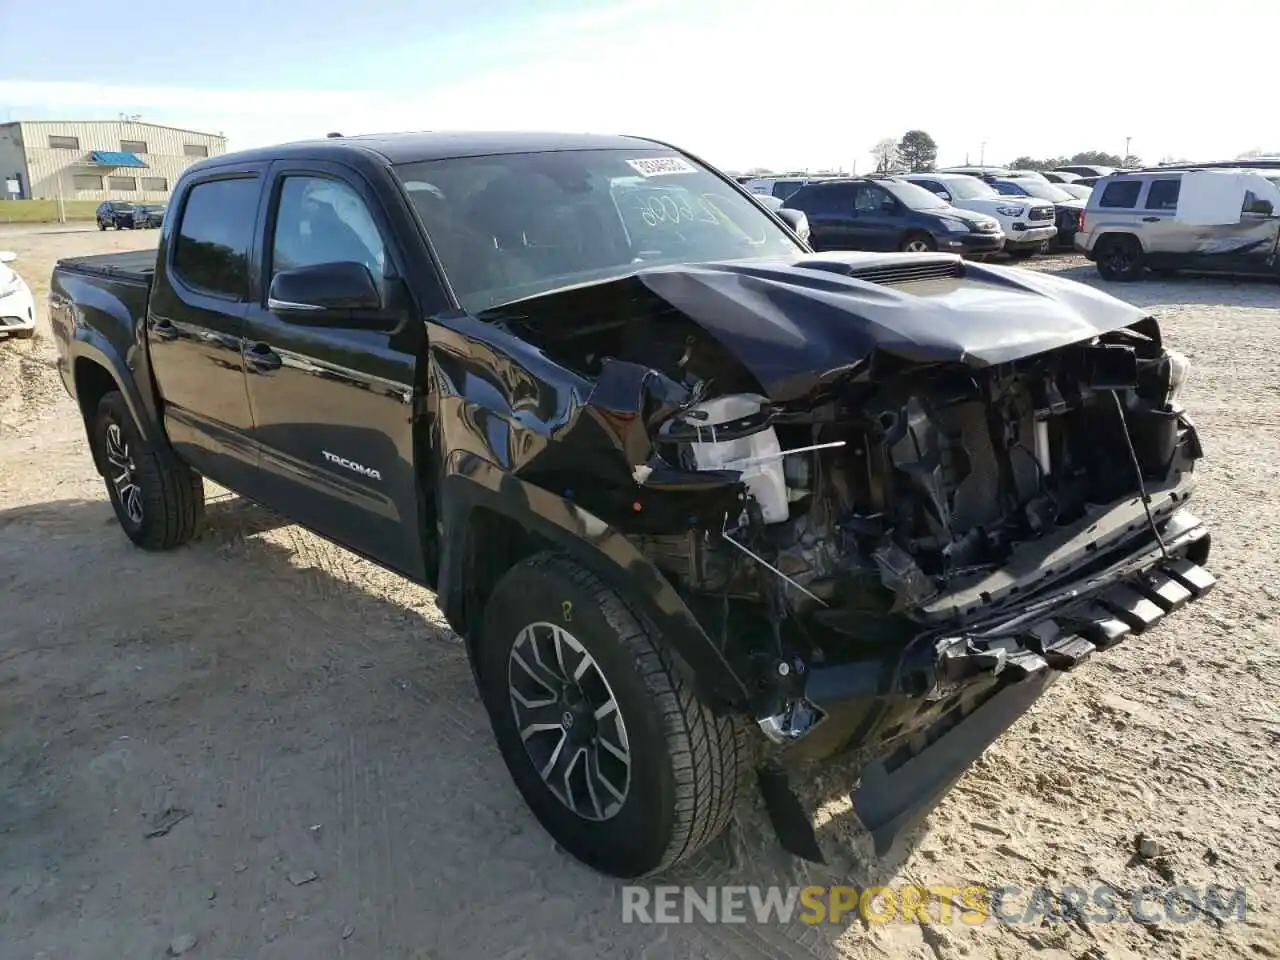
x=917 y=152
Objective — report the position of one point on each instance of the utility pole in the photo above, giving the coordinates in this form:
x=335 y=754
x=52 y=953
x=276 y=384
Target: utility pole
x=1124 y=161
x=982 y=155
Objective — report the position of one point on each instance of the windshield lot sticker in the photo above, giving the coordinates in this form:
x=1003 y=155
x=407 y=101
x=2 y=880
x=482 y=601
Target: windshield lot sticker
x=661 y=166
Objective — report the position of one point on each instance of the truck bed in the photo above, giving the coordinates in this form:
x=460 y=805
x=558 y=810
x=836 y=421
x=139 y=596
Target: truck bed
x=135 y=265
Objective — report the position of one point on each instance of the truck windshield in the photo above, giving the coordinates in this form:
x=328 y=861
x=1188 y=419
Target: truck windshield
x=969 y=188
x=512 y=226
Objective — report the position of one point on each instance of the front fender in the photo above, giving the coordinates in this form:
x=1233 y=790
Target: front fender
x=472 y=482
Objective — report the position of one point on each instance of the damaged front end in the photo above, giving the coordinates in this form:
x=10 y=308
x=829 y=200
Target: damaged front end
x=900 y=494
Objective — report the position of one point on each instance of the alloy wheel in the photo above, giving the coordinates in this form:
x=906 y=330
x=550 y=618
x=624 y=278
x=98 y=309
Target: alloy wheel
x=916 y=246
x=569 y=721
x=123 y=473
x=1118 y=258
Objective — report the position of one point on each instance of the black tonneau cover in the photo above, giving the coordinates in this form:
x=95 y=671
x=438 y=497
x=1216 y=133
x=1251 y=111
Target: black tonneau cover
x=138 y=265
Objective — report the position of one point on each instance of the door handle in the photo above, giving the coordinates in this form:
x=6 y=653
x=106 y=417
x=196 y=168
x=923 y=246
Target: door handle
x=1152 y=219
x=261 y=357
x=164 y=330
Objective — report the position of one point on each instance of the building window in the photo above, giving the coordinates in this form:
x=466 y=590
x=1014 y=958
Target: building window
x=195 y=150
x=86 y=181
x=128 y=184
x=155 y=183
x=64 y=143
x=133 y=146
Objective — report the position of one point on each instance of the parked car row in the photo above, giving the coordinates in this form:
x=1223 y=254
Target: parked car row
x=125 y=215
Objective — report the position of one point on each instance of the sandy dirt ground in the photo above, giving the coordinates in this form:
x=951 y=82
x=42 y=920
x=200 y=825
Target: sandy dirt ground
x=261 y=746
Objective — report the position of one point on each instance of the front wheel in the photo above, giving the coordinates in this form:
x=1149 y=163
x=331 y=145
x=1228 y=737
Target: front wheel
x=612 y=751
x=157 y=498
x=917 y=243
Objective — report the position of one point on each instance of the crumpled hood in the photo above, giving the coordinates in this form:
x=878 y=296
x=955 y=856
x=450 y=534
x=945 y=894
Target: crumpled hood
x=795 y=323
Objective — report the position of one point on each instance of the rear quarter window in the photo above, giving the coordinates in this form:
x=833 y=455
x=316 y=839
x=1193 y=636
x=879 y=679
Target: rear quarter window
x=1121 y=194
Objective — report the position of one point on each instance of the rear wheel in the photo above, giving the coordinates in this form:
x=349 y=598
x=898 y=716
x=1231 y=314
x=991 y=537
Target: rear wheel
x=612 y=751
x=917 y=243
x=1119 y=259
x=157 y=498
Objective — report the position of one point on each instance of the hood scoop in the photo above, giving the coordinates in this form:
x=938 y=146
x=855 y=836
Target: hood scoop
x=894 y=271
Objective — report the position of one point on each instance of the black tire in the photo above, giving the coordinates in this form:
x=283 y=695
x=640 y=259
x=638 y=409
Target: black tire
x=686 y=765
x=166 y=509
x=917 y=242
x=1022 y=253
x=102 y=226
x=1119 y=259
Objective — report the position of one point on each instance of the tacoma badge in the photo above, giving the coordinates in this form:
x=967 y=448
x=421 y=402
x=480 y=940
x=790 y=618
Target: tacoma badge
x=352 y=465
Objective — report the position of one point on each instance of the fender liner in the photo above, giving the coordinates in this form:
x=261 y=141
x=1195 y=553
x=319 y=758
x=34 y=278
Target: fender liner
x=471 y=481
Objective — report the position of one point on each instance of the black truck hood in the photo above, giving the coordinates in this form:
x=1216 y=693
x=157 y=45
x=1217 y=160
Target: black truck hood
x=795 y=323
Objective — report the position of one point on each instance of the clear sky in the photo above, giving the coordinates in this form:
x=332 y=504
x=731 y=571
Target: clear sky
x=742 y=83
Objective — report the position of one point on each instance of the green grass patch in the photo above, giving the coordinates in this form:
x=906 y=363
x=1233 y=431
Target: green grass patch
x=45 y=211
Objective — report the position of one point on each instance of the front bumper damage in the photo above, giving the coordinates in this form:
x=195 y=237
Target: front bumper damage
x=916 y=728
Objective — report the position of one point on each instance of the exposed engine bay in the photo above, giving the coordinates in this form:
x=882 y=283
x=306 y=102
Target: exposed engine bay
x=927 y=479
x=848 y=500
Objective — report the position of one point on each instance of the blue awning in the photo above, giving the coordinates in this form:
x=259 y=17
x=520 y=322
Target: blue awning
x=109 y=158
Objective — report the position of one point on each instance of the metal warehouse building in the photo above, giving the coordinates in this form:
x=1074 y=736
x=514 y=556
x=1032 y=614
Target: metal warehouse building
x=98 y=160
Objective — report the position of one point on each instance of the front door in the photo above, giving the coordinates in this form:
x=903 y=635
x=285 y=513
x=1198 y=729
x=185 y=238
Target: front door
x=1167 y=242
x=195 y=321
x=333 y=407
x=876 y=223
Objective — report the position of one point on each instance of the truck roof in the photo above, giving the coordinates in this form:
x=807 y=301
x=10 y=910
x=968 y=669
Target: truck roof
x=397 y=148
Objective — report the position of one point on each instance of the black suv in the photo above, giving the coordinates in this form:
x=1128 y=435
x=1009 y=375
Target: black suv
x=118 y=214
x=873 y=214
x=148 y=215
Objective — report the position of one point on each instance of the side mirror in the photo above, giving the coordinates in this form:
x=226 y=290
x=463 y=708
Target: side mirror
x=794 y=219
x=943 y=195
x=1262 y=207
x=330 y=294
x=7 y=256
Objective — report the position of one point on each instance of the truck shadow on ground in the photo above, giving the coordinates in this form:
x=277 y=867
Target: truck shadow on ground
x=307 y=712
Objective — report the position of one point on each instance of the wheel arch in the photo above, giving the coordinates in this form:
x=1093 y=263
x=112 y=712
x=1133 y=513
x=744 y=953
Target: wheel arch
x=1112 y=233
x=491 y=520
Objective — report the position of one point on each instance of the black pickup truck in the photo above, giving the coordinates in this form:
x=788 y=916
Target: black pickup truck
x=701 y=501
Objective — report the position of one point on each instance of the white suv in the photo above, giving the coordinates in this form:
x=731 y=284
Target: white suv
x=1028 y=223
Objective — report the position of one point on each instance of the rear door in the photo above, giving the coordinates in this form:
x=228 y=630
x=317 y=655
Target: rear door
x=333 y=407
x=829 y=209
x=1118 y=210
x=195 y=321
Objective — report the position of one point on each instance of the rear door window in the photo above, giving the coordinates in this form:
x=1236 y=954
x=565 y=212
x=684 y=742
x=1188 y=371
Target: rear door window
x=831 y=199
x=211 y=247
x=1163 y=194
x=1121 y=194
